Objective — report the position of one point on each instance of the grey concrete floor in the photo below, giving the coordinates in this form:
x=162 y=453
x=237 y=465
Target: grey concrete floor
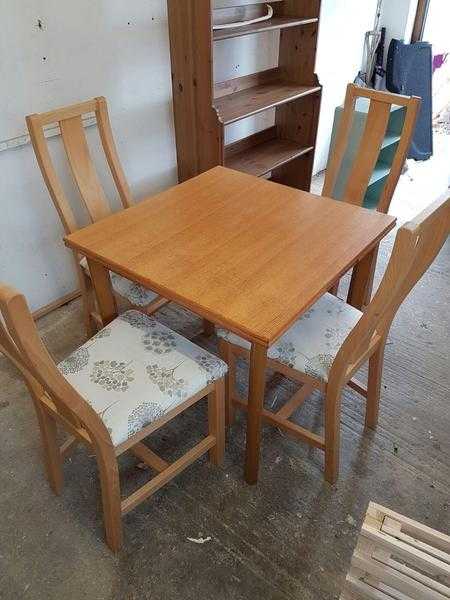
x=290 y=537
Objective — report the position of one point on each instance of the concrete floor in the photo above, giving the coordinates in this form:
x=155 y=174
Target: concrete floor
x=290 y=537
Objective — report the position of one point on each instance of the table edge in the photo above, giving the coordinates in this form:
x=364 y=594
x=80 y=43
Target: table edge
x=206 y=314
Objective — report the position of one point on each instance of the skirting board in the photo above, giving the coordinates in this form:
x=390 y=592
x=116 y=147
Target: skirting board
x=45 y=310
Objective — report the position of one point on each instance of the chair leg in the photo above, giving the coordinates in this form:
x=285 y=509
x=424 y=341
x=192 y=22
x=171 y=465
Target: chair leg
x=88 y=299
x=335 y=289
x=154 y=306
x=52 y=454
x=216 y=420
x=227 y=356
x=209 y=328
x=374 y=386
x=112 y=514
x=332 y=433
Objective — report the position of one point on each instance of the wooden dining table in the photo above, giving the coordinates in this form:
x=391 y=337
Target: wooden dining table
x=243 y=253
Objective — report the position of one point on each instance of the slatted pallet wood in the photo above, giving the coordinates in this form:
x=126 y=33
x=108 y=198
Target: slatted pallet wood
x=398 y=559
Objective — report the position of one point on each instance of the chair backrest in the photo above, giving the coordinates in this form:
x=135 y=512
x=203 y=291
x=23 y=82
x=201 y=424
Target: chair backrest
x=21 y=343
x=416 y=246
x=372 y=139
x=83 y=170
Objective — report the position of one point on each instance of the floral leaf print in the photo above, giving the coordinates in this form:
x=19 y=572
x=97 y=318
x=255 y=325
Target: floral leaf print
x=103 y=333
x=159 y=341
x=112 y=375
x=286 y=354
x=319 y=366
x=215 y=367
x=166 y=381
x=75 y=362
x=137 y=320
x=143 y=415
x=132 y=291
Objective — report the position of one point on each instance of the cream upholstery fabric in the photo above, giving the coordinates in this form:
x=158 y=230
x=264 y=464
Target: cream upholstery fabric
x=135 y=370
x=312 y=343
x=133 y=292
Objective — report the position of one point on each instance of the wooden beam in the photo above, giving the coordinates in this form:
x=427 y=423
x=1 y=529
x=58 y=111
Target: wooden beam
x=420 y=21
x=292 y=428
x=149 y=457
x=165 y=476
x=48 y=308
x=297 y=400
x=358 y=387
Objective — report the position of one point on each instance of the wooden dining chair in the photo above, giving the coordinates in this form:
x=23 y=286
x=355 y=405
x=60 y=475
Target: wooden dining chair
x=91 y=193
x=350 y=183
x=126 y=382
x=330 y=343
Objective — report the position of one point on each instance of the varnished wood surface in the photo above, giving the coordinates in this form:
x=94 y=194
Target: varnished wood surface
x=242 y=252
x=261 y=158
x=246 y=103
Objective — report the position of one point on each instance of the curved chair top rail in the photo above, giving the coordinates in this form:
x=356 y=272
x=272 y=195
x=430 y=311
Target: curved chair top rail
x=21 y=343
x=370 y=145
x=417 y=244
x=83 y=170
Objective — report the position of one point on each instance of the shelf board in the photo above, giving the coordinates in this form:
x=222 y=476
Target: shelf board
x=261 y=159
x=390 y=140
x=245 y=103
x=381 y=171
x=272 y=24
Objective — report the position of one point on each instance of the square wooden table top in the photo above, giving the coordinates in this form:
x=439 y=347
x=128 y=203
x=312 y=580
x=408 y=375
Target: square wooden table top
x=242 y=252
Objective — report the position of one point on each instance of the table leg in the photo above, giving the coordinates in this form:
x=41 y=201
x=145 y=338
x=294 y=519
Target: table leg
x=103 y=290
x=257 y=384
x=208 y=328
x=361 y=285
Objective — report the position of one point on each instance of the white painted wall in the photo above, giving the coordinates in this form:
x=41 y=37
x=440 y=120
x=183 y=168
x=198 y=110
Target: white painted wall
x=398 y=17
x=119 y=50
x=339 y=58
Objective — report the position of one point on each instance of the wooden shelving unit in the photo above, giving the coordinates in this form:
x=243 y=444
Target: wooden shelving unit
x=203 y=109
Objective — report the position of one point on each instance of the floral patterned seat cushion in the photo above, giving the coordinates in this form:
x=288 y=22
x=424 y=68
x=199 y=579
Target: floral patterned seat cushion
x=135 y=370
x=136 y=294
x=312 y=343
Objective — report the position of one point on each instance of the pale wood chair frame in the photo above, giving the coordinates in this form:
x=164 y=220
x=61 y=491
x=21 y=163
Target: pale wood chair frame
x=417 y=244
x=368 y=154
x=87 y=181
x=56 y=401
x=397 y=557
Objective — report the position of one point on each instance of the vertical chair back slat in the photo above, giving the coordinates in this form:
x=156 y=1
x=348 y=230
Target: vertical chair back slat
x=83 y=169
x=340 y=147
x=370 y=145
x=368 y=153
x=51 y=179
x=416 y=246
x=110 y=150
x=409 y=126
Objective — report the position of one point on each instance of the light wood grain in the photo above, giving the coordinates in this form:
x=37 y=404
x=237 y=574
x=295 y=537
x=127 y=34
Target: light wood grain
x=263 y=157
x=91 y=192
x=388 y=563
x=246 y=103
x=365 y=169
x=55 y=400
x=224 y=244
x=203 y=108
x=416 y=246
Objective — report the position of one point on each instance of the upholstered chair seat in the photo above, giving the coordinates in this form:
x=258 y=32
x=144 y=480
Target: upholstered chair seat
x=312 y=343
x=136 y=294
x=136 y=370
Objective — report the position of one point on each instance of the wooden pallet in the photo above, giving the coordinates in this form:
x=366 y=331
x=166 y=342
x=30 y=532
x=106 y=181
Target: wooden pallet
x=398 y=559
